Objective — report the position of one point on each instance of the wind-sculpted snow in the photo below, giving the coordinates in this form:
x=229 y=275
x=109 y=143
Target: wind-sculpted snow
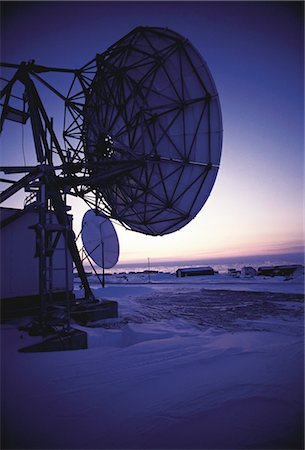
x=227 y=310
x=181 y=368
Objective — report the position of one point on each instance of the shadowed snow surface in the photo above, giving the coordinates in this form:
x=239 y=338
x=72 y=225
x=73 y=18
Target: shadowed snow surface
x=181 y=368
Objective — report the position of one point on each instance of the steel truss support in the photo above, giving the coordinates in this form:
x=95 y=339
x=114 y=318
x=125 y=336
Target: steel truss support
x=50 y=193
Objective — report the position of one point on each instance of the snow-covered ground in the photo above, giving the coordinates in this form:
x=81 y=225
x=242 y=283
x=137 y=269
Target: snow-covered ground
x=191 y=363
x=294 y=285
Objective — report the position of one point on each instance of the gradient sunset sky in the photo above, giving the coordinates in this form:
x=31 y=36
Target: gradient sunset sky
x=255 y=52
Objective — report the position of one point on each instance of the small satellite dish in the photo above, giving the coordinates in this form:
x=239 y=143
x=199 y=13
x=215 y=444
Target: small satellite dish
x=100 y=239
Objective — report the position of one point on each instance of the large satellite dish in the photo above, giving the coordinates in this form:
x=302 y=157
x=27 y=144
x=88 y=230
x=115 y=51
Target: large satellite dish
x=153 y=100
x=141 y=142
x=100 y=239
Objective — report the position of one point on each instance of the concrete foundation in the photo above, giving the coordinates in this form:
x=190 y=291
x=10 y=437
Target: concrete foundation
x=74 y=340
x=91 y=312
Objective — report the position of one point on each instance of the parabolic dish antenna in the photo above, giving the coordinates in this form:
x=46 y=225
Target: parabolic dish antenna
x=100 y=239
x=142 y=144
x=153 y=100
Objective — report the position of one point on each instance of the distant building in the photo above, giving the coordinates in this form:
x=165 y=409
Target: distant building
x=248 y=271
x=233 y=272
x=194 y=271
x=282 y=271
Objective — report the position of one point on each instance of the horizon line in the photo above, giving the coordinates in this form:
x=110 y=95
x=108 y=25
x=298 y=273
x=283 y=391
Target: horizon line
x=214 y=259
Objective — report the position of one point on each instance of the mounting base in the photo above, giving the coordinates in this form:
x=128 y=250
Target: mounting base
x=74 y=340
x=91 y=312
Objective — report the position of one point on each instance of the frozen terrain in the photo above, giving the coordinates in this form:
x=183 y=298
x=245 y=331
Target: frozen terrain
x=294 y=285
x=195 y=363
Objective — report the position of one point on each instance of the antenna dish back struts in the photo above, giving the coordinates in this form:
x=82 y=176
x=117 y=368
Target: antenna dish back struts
x=153 y=97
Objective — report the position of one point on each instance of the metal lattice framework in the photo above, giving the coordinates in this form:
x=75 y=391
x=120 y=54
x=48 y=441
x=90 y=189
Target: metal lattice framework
x=148 y=102
x=141 y=143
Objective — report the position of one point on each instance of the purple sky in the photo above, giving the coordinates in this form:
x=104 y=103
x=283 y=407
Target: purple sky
x=256 y=55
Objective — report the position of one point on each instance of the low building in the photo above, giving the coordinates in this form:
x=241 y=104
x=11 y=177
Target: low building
x=194 y=271
x=19 y=287
x=234 y=272
x=248 y=271
x=280 y=271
